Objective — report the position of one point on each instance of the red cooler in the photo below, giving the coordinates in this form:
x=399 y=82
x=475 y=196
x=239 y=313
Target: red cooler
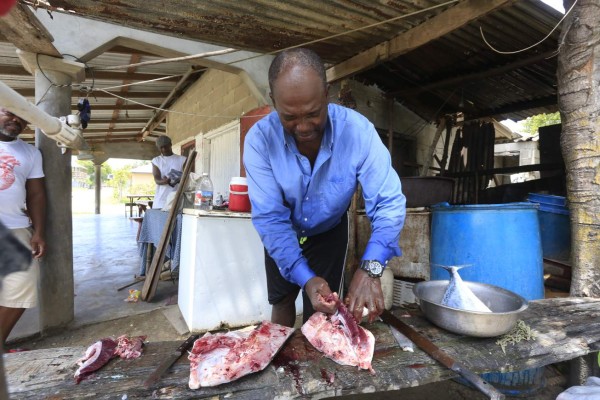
x=238 y=194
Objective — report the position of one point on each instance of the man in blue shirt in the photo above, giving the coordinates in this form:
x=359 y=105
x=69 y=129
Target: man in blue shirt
x=303 y=163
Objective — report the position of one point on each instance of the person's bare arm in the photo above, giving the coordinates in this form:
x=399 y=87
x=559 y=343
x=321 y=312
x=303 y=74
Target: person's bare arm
x=36 y=207
x=158 y=178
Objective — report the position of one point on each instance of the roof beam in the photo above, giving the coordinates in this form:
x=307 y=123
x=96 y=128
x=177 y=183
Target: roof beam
x=440 y=25
x=30 y=92
x=98 y=75
x=22 y=28
x=111 y=107
x=477 y=76
x=177 y=91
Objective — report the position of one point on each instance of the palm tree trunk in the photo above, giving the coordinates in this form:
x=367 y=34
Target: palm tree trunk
x=579 y=103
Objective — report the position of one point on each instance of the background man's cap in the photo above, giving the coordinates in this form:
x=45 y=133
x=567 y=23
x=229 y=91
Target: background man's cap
x=163 y=141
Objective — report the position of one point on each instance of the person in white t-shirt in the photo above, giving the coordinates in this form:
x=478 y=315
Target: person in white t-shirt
x=23 y=211
x=163 y=168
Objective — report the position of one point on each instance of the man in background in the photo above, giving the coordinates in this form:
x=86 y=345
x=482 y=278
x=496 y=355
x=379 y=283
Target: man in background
x=166 y=169
x=23 y=211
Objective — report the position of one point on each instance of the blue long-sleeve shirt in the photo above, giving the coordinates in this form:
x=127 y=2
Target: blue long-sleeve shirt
x=292 y=200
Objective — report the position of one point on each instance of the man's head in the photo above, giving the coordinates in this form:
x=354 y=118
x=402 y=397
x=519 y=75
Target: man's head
x=163 y=143
x=299 y=93
x=10 y=125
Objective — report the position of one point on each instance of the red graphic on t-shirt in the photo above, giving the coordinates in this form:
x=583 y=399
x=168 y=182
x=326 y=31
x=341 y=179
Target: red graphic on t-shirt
x=7 y=166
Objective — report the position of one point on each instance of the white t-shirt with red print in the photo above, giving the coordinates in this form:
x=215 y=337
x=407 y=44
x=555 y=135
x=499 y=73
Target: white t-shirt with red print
x=19 y=161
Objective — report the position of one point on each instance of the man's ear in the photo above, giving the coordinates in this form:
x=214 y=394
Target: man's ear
x=272 y=99
x=327 y=86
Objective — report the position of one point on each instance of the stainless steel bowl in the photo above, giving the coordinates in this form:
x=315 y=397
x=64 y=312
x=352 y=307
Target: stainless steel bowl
x=506 y=307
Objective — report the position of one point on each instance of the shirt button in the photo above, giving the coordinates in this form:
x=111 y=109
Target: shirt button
x=303 y=231
x=305 y=219
x=307 y=198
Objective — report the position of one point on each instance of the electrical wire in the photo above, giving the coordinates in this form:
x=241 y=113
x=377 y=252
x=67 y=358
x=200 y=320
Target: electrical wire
x=533 y=45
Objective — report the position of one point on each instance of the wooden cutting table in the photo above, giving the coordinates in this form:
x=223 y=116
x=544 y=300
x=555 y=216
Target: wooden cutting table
x=566 y=328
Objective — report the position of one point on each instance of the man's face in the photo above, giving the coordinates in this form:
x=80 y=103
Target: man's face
x=165 y=150
x=10 y=125
x=300 y=99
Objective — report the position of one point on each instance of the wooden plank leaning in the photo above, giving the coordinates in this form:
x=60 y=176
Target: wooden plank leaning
x=153 y=273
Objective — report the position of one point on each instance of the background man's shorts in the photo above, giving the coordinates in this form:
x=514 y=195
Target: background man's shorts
x=326 y=255
x=19 y=289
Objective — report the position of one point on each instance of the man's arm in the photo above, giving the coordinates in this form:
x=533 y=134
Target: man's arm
x=386 y=207
x=36 y=207
x=158 y=178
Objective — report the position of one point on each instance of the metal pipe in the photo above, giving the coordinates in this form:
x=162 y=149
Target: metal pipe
x=55 y=128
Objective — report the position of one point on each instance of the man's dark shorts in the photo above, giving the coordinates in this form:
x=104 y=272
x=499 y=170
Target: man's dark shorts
x=326 y=255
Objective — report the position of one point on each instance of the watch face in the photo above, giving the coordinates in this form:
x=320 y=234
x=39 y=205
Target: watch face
x=376 y=268
x=373 y=268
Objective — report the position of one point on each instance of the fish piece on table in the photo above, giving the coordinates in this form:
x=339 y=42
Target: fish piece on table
x=129 y=347
x=101 y=352
x=224 y=357
x=458 y=295
x=96 y=356
x=340 y=338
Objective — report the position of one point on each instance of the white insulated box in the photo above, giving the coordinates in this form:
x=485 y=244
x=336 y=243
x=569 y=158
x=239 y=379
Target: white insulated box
x=222 y=281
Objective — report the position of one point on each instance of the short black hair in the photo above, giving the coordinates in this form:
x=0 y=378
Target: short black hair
x=298 y=56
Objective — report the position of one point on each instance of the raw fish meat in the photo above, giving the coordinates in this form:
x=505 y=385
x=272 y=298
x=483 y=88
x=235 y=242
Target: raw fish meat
x=129 y=347
x=95 y=357
x=101 y=352
x=340 y=338
x=224 y=357
x=458 y=295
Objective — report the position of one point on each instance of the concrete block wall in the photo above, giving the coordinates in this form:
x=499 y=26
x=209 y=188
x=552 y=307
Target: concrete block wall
x=217 y=98
x=371 y=102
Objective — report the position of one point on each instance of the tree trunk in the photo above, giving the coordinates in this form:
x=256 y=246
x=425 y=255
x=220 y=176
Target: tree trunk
x=579 y=103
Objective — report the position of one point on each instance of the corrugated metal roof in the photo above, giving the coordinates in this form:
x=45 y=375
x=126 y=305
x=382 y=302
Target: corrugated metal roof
x=455 y=72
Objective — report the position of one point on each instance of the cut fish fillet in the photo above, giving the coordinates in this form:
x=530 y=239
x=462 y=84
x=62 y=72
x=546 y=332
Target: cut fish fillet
x=340 y=338
x=96 y=356
x=225 y=357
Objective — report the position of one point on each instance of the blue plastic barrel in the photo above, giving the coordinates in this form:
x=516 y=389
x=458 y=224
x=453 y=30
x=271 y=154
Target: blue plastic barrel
x=502 y=245
x=500 y=242
x=555 y=226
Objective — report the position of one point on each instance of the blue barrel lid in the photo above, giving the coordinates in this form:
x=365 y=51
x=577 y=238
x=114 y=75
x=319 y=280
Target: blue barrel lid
x=445 y=207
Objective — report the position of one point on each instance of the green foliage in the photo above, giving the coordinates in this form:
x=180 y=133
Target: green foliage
x=531 y=124
x=121 y=181
x=147 y=188
x=91 y=171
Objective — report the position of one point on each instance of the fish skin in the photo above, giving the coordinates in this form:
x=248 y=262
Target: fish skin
x=458 y=295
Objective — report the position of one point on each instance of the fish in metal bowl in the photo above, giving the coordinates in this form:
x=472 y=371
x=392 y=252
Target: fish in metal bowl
x=469 y=308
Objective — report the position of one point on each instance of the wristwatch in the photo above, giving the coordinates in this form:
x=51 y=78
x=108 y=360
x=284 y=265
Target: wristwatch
x=373 y=267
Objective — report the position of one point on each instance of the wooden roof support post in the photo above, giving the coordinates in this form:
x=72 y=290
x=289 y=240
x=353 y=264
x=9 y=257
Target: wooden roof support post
x=436 y=138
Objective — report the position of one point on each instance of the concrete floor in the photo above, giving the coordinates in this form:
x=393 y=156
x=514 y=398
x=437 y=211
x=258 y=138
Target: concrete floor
x=106 y=258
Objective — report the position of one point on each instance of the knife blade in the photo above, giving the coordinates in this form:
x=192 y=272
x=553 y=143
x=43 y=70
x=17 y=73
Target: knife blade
x=170 y=360
x=404 y=342
x=440 y=356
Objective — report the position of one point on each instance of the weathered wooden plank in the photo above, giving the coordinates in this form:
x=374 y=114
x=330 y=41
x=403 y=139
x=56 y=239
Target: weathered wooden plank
x=566 y=328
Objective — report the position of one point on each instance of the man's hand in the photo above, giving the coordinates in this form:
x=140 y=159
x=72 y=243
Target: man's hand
x=38 y=245
x=366 y=292
x=317 y=290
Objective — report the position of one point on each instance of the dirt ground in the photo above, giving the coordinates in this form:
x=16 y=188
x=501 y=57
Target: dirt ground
x=158 y=328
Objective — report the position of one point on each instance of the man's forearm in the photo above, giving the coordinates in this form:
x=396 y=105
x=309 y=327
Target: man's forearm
x=36 y=207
